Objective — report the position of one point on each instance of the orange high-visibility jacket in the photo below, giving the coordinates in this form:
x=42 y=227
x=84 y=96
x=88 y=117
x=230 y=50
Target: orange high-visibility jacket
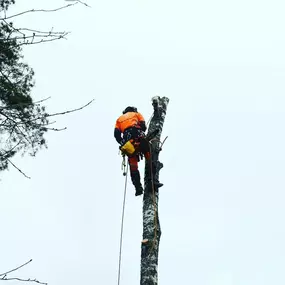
x=130 y=119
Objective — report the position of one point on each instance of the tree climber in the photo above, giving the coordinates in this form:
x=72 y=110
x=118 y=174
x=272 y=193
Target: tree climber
x=129 y=133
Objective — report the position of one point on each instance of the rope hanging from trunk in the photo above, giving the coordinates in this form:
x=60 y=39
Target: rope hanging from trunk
x=153 y=201
x=122 y=226
x=153 y=191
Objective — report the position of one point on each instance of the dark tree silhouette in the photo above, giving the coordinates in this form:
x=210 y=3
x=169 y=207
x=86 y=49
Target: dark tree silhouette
x=23 y=122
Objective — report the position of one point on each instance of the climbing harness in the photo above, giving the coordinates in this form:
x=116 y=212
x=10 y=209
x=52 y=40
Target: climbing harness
x=147 y=124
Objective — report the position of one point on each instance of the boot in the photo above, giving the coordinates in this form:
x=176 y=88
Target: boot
x=139 y=190
x=136 y=179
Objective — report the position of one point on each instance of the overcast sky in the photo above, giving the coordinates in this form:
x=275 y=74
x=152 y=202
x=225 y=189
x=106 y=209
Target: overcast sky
x=222 y=65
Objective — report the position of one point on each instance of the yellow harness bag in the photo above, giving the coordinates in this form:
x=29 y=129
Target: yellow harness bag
x=128 y=148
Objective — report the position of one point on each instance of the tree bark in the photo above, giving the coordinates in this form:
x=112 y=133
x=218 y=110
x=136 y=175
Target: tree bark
x=151 y=225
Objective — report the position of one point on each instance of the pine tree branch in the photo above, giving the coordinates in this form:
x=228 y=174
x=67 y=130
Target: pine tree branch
x=22 y=125
x=7 y=152
x=24 y=104
x=23 y=38
x=16 y=126
x=48 y=115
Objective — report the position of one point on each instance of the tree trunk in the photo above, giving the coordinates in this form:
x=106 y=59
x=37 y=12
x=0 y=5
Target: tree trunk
x=151 y=225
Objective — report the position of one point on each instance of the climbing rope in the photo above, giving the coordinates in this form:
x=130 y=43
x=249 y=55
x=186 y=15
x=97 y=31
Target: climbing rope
x=124 y=165
x=122 y=225
x=147 y=124
x=125 y=173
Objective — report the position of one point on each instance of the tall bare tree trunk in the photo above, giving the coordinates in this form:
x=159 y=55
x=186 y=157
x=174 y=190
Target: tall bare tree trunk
x=151 y=225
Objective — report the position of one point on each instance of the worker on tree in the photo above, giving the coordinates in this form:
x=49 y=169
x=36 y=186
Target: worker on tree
x=129 y=133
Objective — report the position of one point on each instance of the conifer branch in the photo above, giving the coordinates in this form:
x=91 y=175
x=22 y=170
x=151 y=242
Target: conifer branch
x=23 y=122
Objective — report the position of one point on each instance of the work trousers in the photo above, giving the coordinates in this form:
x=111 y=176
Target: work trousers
x=142 y=148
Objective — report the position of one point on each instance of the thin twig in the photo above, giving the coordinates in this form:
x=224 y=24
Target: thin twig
x=56 y=130
x=70 y=111
x=40 y=10
x=79 y=2
x=16 y=268
x=25 y=38
x=18 y=168
x=40 y=101
x=41 y=32
x=41 y=41
x=24 y=280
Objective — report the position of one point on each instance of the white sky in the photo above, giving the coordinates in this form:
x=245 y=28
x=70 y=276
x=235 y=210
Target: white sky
x=222 y=64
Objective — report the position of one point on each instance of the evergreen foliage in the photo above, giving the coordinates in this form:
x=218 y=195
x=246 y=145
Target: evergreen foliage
x=22 y=121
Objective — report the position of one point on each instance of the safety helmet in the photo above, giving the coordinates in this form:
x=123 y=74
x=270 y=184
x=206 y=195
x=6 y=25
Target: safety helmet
x=130 y=109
